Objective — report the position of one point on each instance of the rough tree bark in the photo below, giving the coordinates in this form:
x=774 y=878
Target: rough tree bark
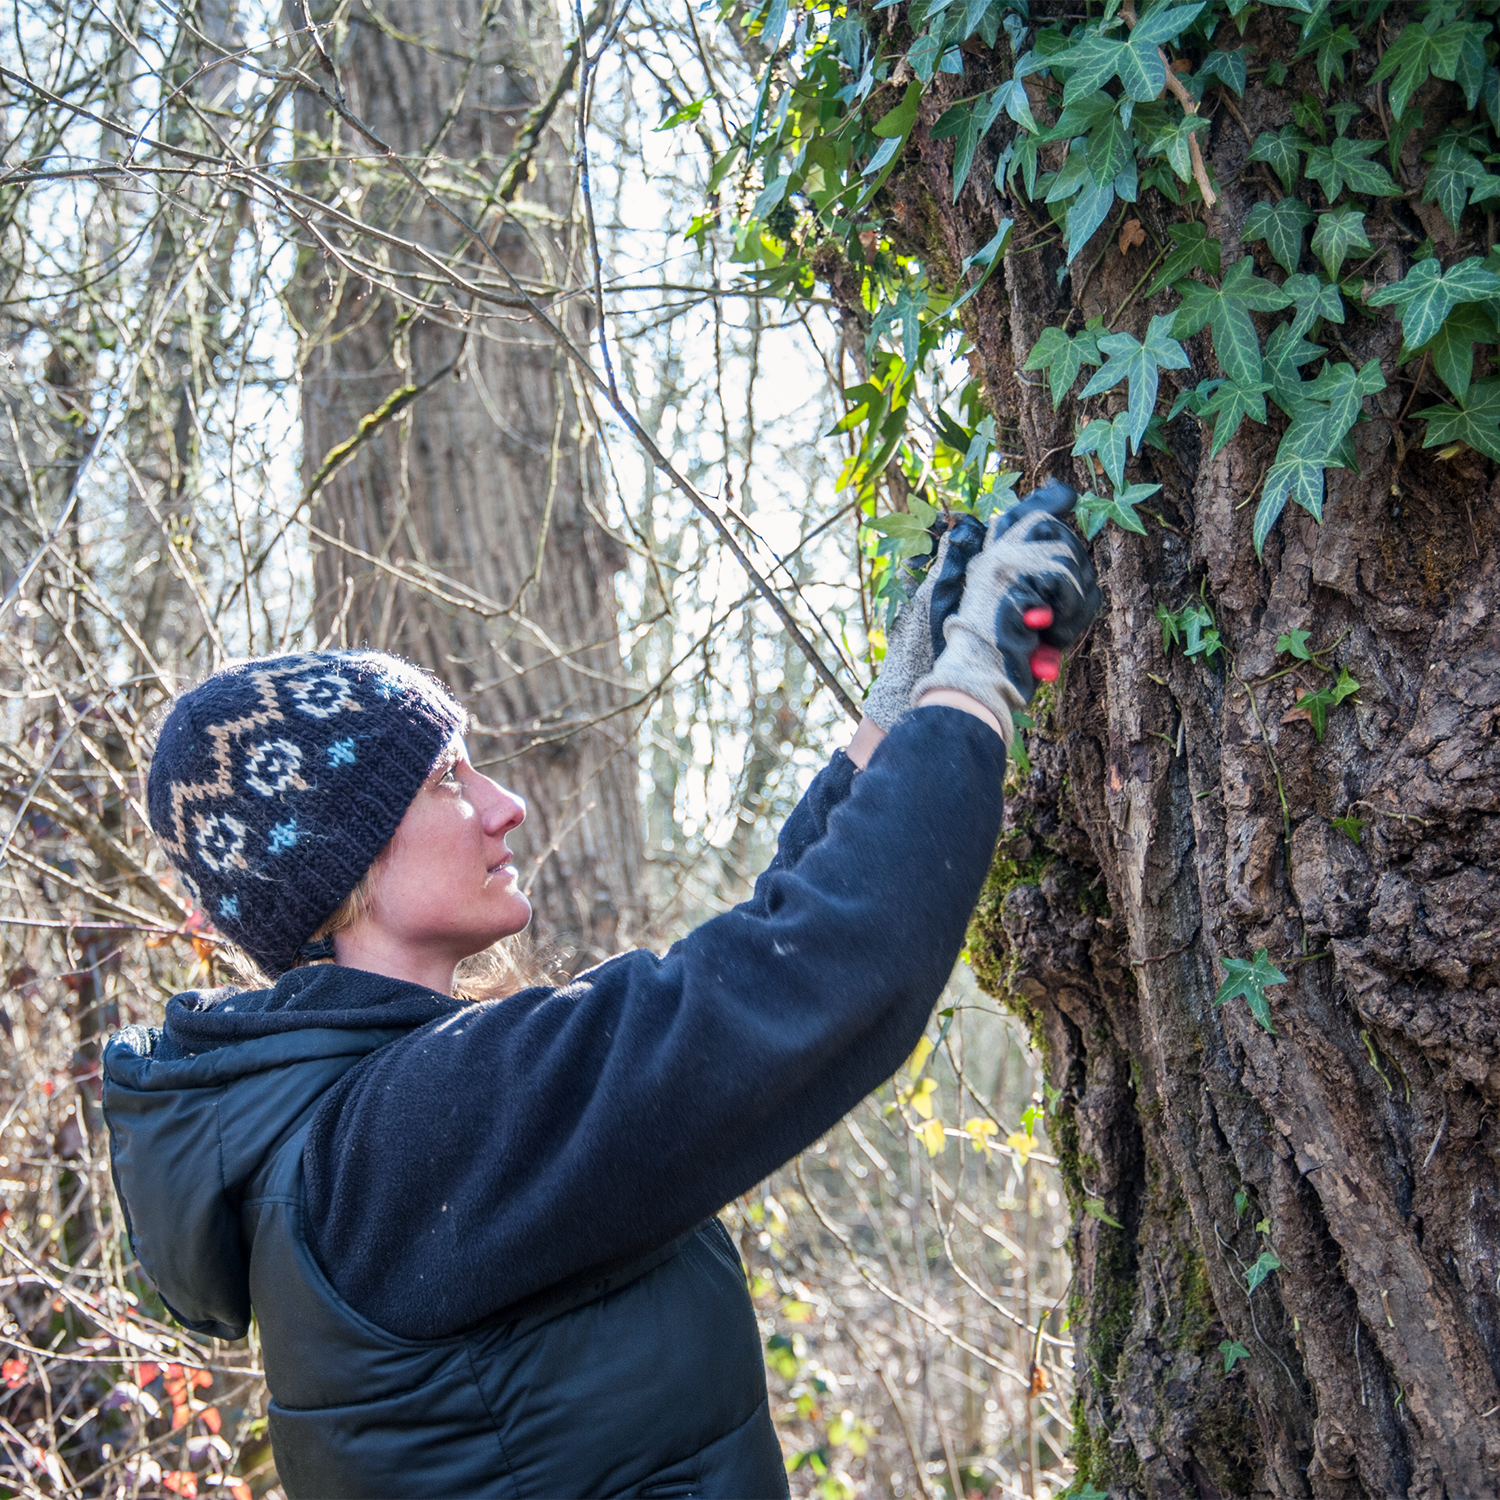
x=490 y=475
x=1179 y=814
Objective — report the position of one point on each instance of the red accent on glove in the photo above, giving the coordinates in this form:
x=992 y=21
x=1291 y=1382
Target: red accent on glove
x=1046 y=661
x=1039 y=618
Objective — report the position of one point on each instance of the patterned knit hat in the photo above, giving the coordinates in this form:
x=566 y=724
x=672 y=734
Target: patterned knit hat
x=277 y=782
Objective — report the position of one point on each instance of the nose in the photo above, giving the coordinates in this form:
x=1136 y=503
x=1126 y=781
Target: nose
x=503 y=809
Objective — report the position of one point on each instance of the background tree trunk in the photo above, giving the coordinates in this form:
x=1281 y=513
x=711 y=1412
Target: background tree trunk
x=490 y=477
x=1179 y=814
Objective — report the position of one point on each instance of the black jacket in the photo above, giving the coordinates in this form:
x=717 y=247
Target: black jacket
x=474 y=1235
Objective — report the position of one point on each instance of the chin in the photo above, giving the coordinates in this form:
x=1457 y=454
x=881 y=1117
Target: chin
x=517 y=918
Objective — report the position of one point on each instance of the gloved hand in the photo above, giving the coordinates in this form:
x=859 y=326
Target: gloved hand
x=916 y=637
x=1029 y=594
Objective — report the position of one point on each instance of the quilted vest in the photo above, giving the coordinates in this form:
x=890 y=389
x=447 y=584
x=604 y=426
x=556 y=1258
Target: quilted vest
x=641 y=1379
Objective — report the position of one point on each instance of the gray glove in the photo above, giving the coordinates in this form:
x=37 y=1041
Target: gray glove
x=917 y=635
x=1029 y=594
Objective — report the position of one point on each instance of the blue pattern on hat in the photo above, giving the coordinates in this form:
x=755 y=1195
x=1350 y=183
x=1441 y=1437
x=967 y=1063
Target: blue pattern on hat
x=253 y=798
x=283 y=836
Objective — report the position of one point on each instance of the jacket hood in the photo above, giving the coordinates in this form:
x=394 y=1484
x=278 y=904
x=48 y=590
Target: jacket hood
x=188 y=1138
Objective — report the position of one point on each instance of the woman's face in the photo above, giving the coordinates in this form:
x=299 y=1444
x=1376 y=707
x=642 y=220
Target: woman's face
x=447 y=886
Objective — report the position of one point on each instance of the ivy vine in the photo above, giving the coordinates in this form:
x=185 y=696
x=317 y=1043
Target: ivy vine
x=1076 y=120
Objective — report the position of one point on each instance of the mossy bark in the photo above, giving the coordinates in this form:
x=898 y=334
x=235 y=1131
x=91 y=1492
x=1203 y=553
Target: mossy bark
x=1179 y=813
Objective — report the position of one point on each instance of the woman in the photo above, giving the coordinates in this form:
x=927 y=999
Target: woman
x=479 y=1239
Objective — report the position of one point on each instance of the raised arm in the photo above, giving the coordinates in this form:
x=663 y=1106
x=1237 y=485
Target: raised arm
x=521 y=1141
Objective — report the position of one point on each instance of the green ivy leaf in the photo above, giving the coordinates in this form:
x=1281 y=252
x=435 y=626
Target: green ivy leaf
x=1476 y=423
x=1280 y=153
x=1342 y=389
x=1192 y=250
x=1296 y=474
x=1342 y=163
x=1228 y=309
x=1339 y=231
x=1158 y=27
x=1313 y=299
x=924 y=54
x=1139 y=363
x=1172 y=140
x=1316 y=705
x=1432 y=47
x=1094 y=1208
x=1426 y=295
x=1094 y=60
x=1107 y=439
x=1110 y=144
x=1295 y=643
x=1232 y=1350
x=1266 y=1262
x=1281 y=226
x=1200 y=638
x=1353 y=828
x=685 y=115
x=895 y=123
x=1062 y=357
x=1097 y=58
x=1331 y=46
x=988 y=256
x=1286 y=352
x=1455 y=178
x=1011 y=96
x=1452 y=346
x=1094 y=510
x=1085 y=214
x=967 y=123
x=1251 y=979
x=1229 y=406
x=1227 y=67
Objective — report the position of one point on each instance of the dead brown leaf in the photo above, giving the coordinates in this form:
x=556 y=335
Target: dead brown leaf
x=1131 y=234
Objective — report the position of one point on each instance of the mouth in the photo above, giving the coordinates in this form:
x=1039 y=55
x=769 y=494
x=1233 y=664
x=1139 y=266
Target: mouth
x=500 y=865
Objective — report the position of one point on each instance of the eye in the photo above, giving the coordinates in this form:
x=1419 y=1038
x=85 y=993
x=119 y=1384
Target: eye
x=450 y=776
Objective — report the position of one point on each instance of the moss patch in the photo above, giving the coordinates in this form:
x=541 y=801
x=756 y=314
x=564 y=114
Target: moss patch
x=1019 y=860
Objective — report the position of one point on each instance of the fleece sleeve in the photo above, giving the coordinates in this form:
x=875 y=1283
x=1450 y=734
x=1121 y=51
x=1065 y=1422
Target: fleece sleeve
x=518 y=1143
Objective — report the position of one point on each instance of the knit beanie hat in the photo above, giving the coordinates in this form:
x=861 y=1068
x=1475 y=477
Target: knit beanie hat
x=277 y=782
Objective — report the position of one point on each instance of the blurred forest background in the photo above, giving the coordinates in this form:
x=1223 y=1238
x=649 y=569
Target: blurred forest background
x=292 y=305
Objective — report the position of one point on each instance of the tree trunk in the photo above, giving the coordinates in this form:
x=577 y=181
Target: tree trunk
x=1178 y=814
x=490 y=476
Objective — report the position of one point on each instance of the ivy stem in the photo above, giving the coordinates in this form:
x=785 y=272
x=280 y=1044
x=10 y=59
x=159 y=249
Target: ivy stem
x=1189 y=105
x=1286 y=812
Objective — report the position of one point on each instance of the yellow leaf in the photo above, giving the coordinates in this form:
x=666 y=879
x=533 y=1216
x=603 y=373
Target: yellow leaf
x=918 y=1059
x=934 y=1137
x=796 y=1312
x=1022 y=1144
x=980 y=1131
x=921 y=1099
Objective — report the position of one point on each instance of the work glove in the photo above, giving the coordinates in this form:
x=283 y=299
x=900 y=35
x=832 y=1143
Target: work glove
x=1029 y=594
x=916 y=638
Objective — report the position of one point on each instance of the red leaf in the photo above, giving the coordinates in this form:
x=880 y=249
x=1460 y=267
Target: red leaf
x=146 y=1372
x=210 y=1418
x=14 y=1371
x=184 y=1482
